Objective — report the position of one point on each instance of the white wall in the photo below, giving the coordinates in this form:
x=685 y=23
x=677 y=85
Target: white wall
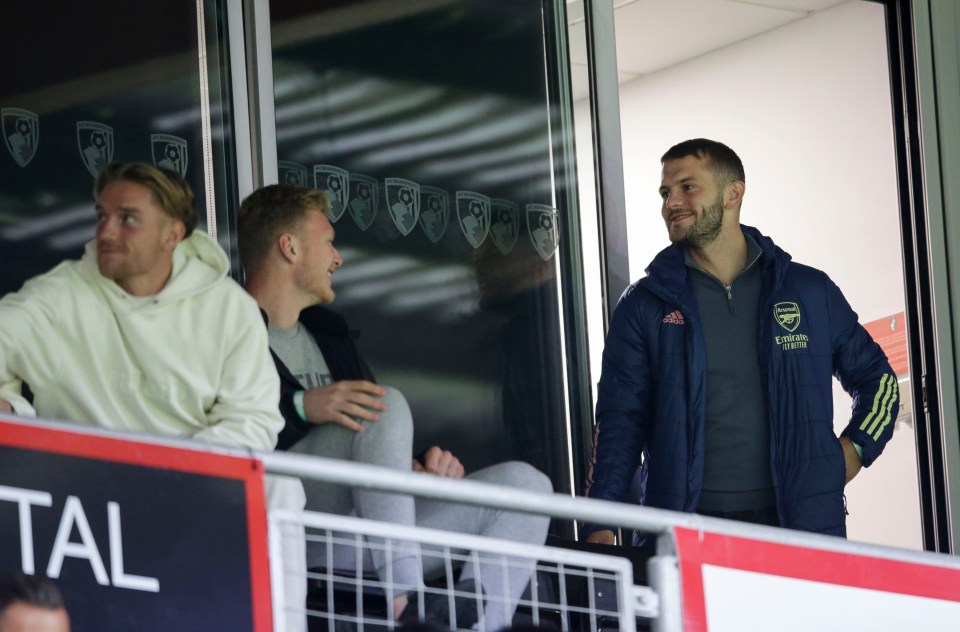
x=807 y=108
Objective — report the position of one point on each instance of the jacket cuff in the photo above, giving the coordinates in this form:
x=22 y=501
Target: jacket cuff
x=867 y=448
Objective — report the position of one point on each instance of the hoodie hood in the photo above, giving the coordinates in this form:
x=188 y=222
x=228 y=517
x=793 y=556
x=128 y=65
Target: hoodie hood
x=198 y=263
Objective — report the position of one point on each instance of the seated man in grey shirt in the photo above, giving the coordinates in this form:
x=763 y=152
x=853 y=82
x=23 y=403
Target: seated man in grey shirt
x=334 y=408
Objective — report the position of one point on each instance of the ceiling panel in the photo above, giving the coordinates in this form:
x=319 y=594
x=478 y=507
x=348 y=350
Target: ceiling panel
x=655 y=34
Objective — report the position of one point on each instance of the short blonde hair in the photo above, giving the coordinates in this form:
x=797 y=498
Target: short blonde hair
x=269 y=212
x=169 y=189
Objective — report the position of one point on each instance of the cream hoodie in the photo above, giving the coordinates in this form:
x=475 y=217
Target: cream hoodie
x=192 y=361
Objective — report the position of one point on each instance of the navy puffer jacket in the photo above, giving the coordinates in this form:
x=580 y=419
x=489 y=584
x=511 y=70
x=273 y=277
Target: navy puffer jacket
x=653 y=386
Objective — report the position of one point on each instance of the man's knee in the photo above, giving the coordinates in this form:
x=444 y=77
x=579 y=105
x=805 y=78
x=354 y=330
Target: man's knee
x=518 y=475
x=395 y=401
x=395 y=423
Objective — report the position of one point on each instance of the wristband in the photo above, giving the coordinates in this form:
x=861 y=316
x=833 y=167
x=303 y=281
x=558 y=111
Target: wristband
x=856 y=446
x=298 y=404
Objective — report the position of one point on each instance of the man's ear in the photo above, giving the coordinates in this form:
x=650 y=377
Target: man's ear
x=177 y=231
x=288 y=246
x=733 y=194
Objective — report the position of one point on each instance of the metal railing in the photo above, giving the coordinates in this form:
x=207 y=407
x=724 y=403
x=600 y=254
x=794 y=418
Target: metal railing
x=672 y=600
x=660 y=604
x=563 y=593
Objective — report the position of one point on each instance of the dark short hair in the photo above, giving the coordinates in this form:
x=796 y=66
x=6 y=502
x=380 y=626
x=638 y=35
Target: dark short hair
x=723 y=161
x=269 y=212
x=33 y=590
x=169 y=189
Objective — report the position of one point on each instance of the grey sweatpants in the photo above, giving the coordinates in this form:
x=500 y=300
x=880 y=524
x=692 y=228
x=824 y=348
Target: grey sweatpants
x=389 y=443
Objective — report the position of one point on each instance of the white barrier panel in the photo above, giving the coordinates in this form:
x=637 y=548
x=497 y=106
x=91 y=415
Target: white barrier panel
x=137 y=535
x=744 y=584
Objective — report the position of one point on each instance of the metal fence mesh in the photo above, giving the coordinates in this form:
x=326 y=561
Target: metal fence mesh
x=568 y=591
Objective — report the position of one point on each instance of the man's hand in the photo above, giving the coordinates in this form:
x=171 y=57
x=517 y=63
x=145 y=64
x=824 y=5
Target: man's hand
x=854 y=465
x=5 y=406
x=440 y=462
x=602 y=537
x=343 y=403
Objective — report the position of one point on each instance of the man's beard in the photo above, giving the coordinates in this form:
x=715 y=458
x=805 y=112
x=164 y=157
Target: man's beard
x=705 y=228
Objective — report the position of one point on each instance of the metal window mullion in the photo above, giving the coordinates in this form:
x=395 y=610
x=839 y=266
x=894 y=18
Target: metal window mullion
x=570 y=287
x=938 y=96
x=263 y=123
x=206 y=128
x=923 y=250
x=608 y=151
x=241 y=125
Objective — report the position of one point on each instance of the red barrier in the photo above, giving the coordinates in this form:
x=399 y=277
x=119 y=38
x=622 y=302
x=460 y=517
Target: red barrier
x=137 y=535
x=731 y=582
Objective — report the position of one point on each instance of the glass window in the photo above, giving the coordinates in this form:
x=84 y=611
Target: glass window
x=428 y=125
x=117 y=81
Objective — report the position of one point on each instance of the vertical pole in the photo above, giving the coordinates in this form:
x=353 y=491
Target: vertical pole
x=608 y=151
x=664 y=572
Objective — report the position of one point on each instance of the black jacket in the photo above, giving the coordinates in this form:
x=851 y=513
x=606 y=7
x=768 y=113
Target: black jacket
x=336 y=342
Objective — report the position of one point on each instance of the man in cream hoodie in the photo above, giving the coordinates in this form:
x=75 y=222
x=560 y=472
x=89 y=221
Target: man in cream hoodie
x=146 y=332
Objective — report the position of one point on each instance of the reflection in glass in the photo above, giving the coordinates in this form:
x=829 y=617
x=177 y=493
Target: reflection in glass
x=427 y=123
x=112 y=80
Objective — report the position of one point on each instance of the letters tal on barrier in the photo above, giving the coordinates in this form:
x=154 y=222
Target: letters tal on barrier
x=134 y=530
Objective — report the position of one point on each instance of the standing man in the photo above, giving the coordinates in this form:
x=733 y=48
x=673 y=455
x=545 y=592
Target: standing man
x=334 y=408
x=147 y=333
x=718 y=368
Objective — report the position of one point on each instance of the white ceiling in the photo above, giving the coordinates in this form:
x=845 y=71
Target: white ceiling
x=654 y=34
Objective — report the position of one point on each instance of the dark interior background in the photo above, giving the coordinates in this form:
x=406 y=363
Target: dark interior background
x=450 y=95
